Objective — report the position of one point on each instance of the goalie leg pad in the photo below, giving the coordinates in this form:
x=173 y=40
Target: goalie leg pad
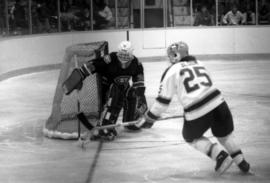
x=134 y=107
x=113 y=106
x=110 y=113
x=130 y=106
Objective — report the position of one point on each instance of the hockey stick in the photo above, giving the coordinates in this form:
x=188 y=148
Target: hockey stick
x=83 y=119
x=170 y=117
x=78 y=101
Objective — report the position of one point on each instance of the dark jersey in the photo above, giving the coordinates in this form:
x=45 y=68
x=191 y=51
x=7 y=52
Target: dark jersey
x=109 y=67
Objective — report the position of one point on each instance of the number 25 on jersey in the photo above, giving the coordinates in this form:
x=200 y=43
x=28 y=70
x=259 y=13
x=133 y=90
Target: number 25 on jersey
x=195 y=74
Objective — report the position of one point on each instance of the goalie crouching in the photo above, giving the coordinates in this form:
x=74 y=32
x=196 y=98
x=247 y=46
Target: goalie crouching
x=116 y=70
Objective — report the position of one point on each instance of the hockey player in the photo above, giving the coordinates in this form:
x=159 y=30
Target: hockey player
x=116 y=70
x=204 y=108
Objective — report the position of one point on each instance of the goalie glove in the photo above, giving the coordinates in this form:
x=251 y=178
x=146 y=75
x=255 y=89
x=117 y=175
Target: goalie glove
x=75 y=80
x=140 y=91
x=142 y=105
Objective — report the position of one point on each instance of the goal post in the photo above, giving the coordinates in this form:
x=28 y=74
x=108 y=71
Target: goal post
x=62 y=122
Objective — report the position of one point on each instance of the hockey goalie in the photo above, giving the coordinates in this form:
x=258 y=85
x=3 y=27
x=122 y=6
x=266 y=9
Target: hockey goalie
x=122 y=86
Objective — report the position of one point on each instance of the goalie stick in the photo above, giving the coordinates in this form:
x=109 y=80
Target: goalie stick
x=78 y=101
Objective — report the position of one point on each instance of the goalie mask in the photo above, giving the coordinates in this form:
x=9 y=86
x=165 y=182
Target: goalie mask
x=176 y=51
x=125 y=53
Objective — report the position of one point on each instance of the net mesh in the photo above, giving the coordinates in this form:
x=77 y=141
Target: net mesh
x=62 y=122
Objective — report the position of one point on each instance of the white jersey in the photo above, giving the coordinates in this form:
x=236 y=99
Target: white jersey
x=192 y=85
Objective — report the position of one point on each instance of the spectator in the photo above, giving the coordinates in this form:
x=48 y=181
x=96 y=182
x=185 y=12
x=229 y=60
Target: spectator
x=221 y=12
x=249 y=16
x=84 y=20
x=2 y=18
x=264 y=14
x=65 y=6
x=204 y=17
x=43 y=16
x=18 y=16
x=66 y=16
x=213 y=12
x=53 y=19
x=233 y=17
x=102 y=15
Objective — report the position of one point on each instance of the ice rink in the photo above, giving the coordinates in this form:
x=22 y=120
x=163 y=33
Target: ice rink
x=157 y=155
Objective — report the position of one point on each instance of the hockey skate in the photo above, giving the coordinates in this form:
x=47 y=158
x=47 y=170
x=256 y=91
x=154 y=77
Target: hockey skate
x=223 y=162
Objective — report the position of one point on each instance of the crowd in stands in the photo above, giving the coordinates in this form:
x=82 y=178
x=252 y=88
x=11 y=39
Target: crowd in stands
x=76 y=15
x=79 y=17
x=2 y=18
x=230 y=14
x=204 y=17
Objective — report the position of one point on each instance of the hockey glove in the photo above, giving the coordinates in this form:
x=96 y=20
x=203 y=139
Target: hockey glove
x=146 y=122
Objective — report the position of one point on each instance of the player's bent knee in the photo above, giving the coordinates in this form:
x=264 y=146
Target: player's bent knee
x=228 y=142
x=202 y=144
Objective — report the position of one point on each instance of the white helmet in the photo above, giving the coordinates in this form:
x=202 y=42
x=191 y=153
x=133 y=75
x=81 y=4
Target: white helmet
x=125 y=53
x=174 y=51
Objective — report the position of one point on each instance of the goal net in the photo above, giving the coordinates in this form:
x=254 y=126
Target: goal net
x=62 y=122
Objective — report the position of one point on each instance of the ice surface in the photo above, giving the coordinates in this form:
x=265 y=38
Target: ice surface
x=155 y=155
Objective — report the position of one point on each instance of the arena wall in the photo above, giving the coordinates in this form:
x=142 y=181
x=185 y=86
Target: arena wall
x=38 y=52
x=204 y=41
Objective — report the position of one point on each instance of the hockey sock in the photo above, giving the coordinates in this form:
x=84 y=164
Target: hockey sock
x=237 y=157
x=208 y=148
x=232 y=148
x=215 y=152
